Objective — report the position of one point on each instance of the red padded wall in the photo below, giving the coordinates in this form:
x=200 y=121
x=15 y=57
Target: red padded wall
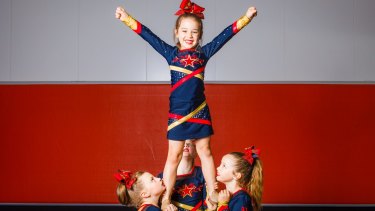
x=62 y=143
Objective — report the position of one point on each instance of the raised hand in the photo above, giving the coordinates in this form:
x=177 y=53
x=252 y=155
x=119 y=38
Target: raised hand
x=251 y=12
x=121 y=13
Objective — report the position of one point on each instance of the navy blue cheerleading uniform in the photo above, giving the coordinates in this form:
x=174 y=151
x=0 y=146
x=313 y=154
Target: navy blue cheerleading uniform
x=189 y=115
x=240 y=201
x=149 y=207
x=189 y=191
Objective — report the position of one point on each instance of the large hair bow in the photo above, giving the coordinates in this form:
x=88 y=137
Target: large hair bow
x=187 y=6
x=251 y=153
x=126 y=178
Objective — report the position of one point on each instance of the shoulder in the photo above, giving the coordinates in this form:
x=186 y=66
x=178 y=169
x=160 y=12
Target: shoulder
x=240 y=199
x=242 y=195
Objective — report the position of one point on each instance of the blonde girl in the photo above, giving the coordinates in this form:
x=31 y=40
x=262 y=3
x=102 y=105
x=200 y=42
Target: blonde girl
x=242 y=174
x=141 y=190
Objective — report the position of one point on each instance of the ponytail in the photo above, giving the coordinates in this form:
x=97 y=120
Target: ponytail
x=255 y=186
x=122 y=194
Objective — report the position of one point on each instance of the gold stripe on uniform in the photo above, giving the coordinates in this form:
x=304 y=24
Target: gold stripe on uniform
x=184 y=206
x=186 y=71
x=185 y=118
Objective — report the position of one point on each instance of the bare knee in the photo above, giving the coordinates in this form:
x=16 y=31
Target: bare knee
x=175 y=151
x=204 y=148
x=205 y=151
x=174 y=157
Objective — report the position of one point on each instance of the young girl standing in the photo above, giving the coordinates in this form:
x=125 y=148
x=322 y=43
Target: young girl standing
x=189 y=115
x=242 y=174
x=141 y=190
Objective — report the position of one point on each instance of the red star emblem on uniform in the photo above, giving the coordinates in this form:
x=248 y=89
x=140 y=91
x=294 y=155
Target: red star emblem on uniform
x=188 y=61
x=186 y=190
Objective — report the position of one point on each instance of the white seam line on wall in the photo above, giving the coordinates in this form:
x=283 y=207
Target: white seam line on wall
x=11 y=43
x=78 y=43
x=354 y=39
x=284 y=42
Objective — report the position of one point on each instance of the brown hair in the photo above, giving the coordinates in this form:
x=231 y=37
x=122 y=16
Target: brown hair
x=188 y=15
x=131 y=197
x=251 y=179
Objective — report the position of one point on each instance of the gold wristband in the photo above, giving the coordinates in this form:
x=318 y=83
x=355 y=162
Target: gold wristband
x=222 y=203
x=243 y=21
x=131 y=22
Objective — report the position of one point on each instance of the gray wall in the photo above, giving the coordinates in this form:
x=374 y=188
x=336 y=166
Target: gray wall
x=289 y=41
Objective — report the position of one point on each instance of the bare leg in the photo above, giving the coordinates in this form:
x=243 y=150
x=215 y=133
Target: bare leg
x=170 y=169
x=208 y=166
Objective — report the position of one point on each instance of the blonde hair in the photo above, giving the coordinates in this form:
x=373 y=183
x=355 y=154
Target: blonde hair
x=252 y=177
x=131 y=197
x=188 y=15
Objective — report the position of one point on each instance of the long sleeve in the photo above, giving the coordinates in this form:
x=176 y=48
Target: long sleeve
x=158 y=44
x=220 y=40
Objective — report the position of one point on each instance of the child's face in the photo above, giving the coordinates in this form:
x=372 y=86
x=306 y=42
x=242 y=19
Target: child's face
x=189 y=149
x=153 y=186
x=225 y=172
x=188 y=33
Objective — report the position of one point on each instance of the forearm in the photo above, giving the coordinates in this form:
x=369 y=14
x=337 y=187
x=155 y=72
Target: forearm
x=241 y=23
x=220 y=40
x=158 y=44
x=132 y=23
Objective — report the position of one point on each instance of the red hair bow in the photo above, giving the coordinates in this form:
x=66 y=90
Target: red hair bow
x=251 y=153
x=187 y=6
x=125 y=177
